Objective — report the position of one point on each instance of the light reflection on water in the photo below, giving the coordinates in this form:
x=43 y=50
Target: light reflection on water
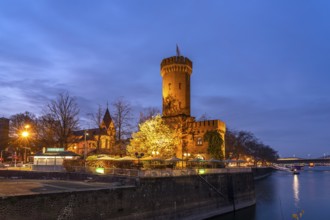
x=282 y=196
x=296 y=190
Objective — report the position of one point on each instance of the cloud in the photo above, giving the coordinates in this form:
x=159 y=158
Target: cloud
x=259 y=67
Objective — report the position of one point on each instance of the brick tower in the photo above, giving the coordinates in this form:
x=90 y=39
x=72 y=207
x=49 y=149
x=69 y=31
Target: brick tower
x=176 y=72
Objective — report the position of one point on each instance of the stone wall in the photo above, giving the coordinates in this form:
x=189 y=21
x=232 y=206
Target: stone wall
x=185 y=197
x=261 y=172
x=74 y=176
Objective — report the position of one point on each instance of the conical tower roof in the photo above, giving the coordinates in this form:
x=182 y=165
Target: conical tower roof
x=107 y=118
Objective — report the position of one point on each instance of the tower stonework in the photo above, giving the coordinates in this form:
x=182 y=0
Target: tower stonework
x=176 y=72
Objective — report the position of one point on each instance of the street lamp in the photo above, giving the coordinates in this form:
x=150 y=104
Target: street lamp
x=186 y=154
x=25 y=134
x=155 y=153
x=85 y=147
x=138 y=156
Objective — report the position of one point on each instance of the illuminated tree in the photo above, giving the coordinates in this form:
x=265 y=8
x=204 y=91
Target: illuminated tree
x=154 y=135
x=215 y=142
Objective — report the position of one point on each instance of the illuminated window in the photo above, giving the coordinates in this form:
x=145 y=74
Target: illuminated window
x=199 y=141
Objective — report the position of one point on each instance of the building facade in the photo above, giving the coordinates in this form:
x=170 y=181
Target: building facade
x=176 y=72
x=101 y=139
x=4 y=133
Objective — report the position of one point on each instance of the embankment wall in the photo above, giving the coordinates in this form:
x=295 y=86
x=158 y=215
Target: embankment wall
x=184 y=197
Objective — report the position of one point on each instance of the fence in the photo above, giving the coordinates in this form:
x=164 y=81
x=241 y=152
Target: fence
x=188 y=172
x=158 y=172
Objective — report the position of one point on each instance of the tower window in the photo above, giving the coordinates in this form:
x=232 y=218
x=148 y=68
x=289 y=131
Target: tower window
x=179 y=85
x=179 y=104
x=169 y=86
x=199 y=141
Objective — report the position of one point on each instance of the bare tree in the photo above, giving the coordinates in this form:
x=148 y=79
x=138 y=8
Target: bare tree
x=148 y=113
x=64 y=110
x=97 y=119
x=122 y=118
x=23 y=122
x=46 y=131
x=203 y=117
x=19 y=121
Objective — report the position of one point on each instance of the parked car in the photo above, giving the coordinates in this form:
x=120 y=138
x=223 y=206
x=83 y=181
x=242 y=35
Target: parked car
x=6 y=165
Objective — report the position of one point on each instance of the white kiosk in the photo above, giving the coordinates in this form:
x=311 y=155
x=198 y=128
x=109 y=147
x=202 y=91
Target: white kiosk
x=52 y=159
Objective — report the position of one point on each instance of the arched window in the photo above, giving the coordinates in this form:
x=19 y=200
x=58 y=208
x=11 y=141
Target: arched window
x=199 y=141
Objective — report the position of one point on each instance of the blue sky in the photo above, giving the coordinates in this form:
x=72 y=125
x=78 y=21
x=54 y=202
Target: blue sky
x=260 y=66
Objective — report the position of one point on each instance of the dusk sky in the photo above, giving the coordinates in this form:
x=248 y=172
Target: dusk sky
x=260 y=66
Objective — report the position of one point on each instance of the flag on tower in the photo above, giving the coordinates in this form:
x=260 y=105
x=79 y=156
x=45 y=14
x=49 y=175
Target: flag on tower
x=177 y=50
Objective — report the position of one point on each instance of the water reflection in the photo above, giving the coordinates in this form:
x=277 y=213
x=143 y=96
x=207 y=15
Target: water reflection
x=285 y=196
x=296 y=190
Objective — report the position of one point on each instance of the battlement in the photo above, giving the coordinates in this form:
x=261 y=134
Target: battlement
x=209 y=125
x=176 y=60
x=176 y=64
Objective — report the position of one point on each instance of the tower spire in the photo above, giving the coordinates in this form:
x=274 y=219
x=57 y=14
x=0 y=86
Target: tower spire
x=107 y=118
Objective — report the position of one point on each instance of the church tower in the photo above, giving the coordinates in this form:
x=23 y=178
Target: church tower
x=176 y=72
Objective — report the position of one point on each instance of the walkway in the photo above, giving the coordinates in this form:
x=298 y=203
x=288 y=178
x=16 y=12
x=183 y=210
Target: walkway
x=17 y=187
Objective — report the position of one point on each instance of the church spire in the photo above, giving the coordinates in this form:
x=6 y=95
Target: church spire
x=107 y=118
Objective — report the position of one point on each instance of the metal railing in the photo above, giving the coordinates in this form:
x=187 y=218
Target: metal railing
x=188 y=172
x=159 y=172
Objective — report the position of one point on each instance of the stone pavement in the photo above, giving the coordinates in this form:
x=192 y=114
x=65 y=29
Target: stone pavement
x=17 y=187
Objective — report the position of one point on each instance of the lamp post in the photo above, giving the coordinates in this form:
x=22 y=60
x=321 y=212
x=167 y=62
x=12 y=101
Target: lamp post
x=85 y=148
x=15 y=158
x=186 y=155
x=25 y=134
x=138 y=156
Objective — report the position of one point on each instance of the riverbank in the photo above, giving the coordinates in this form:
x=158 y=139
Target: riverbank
x=174 y=197
x=262 y=172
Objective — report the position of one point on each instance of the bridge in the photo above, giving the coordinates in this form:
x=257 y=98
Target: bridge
x=294 y=160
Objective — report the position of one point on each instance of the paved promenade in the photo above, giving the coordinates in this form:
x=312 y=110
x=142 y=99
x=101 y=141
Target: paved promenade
x=17 y=187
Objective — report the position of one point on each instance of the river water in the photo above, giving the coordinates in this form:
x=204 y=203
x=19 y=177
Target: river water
x=284 y=196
